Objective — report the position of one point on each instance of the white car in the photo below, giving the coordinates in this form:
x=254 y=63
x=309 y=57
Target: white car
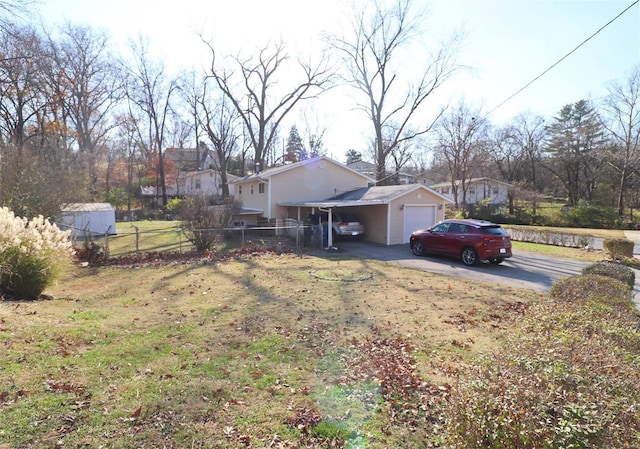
x=346 y=225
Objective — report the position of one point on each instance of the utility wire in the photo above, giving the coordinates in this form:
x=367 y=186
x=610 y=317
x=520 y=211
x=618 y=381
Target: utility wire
x=564 y=57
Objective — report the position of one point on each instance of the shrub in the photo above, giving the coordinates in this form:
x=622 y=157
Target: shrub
x=567 y=378
x=618 y=249
x=613 y=270
x=591 y=216
x=547 y=237
x=33 y=254
x=199 y=222
x=203 y=224
x=590 y=288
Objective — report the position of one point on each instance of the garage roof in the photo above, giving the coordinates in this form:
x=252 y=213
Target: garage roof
x=365 y=196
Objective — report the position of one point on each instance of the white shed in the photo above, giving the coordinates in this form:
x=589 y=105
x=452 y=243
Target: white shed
x=88 y=219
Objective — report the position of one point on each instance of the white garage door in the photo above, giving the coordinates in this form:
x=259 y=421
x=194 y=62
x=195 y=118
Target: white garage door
x=417 y=217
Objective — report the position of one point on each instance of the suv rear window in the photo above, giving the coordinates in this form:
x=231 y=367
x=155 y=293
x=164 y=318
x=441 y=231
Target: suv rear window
x=493 y=230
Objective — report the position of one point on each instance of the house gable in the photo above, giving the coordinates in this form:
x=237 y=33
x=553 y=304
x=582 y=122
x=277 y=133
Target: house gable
x=311 y=179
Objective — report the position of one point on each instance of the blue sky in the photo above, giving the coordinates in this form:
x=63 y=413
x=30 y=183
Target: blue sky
x=507 y=44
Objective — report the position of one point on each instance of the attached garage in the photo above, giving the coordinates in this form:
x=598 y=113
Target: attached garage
x=418 y=216
x=389 y=213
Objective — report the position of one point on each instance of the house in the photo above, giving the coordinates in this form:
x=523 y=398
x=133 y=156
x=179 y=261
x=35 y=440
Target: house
x=369 y=169
x=310 y=179
x=366 y=168
x=478 y=189
x=206 y=182
x=295 y=191
x=405 y=178
x=189 y=159
x=190 y=183
x=87 y=219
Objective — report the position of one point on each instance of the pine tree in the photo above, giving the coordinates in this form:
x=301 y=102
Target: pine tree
x=295 y=147
x=574 y=150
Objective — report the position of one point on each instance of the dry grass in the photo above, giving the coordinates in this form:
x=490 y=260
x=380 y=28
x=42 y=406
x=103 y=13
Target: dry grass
x=251 y=352
x=588 y=232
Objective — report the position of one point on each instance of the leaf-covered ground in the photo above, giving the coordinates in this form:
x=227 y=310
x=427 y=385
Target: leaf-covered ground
x=250 y=349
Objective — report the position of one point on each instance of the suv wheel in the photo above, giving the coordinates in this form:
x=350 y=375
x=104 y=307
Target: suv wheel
x=417 y=247
x=469 y=256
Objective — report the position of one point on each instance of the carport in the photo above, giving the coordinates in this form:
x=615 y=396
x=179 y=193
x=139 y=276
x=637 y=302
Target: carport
x=327 y=207
x=389 y=213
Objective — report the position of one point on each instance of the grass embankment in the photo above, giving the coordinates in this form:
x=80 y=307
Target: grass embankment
x=588 y=232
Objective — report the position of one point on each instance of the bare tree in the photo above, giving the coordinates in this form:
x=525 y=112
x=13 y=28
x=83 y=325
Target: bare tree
x=21 y=94
x=85 y=81
x=151 y=91
x=10 y=10
x=220 y=122
x=515 y=149
x=462 y=140
x=32 y=161
x=529 y=132
x=254 y=92
x=371 y=56
x=622 y=110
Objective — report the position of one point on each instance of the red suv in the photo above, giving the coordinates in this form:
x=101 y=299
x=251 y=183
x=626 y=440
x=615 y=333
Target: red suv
x=470 y=240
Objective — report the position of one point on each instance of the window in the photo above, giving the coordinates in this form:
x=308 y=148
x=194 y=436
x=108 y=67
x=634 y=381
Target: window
x=455 y=228
x=251 y=189
x=442 y=227
x=495 y=191
x=472 y=191
x=261 y=187
x=239 y=190
x=198 y=186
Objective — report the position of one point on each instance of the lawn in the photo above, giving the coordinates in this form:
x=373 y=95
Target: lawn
x=258 y=350
x=253 y=349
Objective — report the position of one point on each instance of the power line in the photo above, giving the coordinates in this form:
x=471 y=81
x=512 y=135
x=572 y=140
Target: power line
x=564 y=57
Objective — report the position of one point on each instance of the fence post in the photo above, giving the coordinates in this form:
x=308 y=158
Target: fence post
x=137 y=243
x=106 y=246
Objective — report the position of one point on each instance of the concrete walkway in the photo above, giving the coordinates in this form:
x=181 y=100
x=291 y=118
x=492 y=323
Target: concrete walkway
x=634 y=236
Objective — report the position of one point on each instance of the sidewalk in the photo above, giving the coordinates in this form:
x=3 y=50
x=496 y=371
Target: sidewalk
x=634 y=236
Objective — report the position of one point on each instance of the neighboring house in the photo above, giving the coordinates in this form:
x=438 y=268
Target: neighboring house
x=369 y=169
x=189 y=159
x=405 y=178
x=203 y=182
x=291 y=193
x=366 y=168
x=478 y=189
x=88 y=219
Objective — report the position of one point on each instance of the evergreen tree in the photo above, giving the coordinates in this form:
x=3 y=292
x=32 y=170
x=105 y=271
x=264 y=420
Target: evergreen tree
x=294 y=147
x=353 y=156
x=574 y=150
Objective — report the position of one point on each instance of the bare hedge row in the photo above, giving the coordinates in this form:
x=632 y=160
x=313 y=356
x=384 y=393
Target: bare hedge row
x=568 y=377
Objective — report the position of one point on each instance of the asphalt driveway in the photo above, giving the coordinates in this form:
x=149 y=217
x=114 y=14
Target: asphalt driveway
x=524 y=270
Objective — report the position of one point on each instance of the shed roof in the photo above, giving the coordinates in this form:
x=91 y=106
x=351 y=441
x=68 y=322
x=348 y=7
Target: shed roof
x=87 y=207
